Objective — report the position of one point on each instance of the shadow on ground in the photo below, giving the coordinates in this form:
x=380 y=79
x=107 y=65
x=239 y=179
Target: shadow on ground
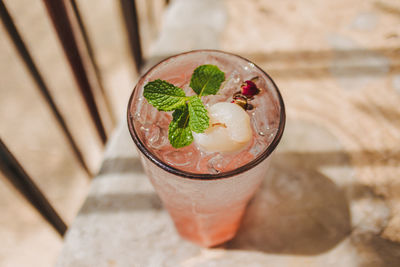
x=310 y=203
x=121 y=202
x=297 y=211
x=112 y=203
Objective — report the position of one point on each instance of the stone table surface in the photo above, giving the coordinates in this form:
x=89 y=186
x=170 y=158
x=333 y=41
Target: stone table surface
x=331 y=196
x=307 y=213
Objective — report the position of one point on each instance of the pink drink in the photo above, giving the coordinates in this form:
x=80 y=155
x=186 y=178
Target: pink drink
x=206 y=193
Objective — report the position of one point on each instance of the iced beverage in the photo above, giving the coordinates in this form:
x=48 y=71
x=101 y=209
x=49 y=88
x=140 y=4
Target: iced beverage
x=205 y=190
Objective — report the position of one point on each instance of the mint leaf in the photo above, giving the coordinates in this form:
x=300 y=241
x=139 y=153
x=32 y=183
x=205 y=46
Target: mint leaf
x=163 y=95
x=189 y=112
x=206 y=80
x=179 y=132
x=199 y=120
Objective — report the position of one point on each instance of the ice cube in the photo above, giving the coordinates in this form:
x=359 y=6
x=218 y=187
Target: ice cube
x=257 y=148
x=231 y=84
x=182 y=157
x=156 y=137
x=218 y=163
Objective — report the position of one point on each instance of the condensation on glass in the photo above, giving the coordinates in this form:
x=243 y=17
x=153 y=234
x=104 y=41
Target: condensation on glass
x=206 y=207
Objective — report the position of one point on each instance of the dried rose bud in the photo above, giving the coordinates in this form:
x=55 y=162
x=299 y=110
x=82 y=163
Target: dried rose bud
x=249 y=88
x=240 y=100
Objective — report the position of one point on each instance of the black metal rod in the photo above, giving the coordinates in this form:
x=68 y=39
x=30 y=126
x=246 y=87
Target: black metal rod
x=92 y=57
x=37 y=77
x=128 y=8
x=62 y=24
x=14 y=172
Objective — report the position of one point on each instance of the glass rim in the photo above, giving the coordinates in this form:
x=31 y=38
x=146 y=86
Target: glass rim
x=207 y=176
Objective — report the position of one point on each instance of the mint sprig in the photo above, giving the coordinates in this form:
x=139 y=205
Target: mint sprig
x=189 y=113
x=164 y=96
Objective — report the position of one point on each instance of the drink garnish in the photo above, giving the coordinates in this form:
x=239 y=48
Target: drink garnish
x=219 y=124
x=229 y=130
x=248 y=90
x=241 y=100
x=190 y=114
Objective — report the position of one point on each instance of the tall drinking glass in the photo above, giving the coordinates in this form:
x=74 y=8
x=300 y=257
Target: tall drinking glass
x=205 y=202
